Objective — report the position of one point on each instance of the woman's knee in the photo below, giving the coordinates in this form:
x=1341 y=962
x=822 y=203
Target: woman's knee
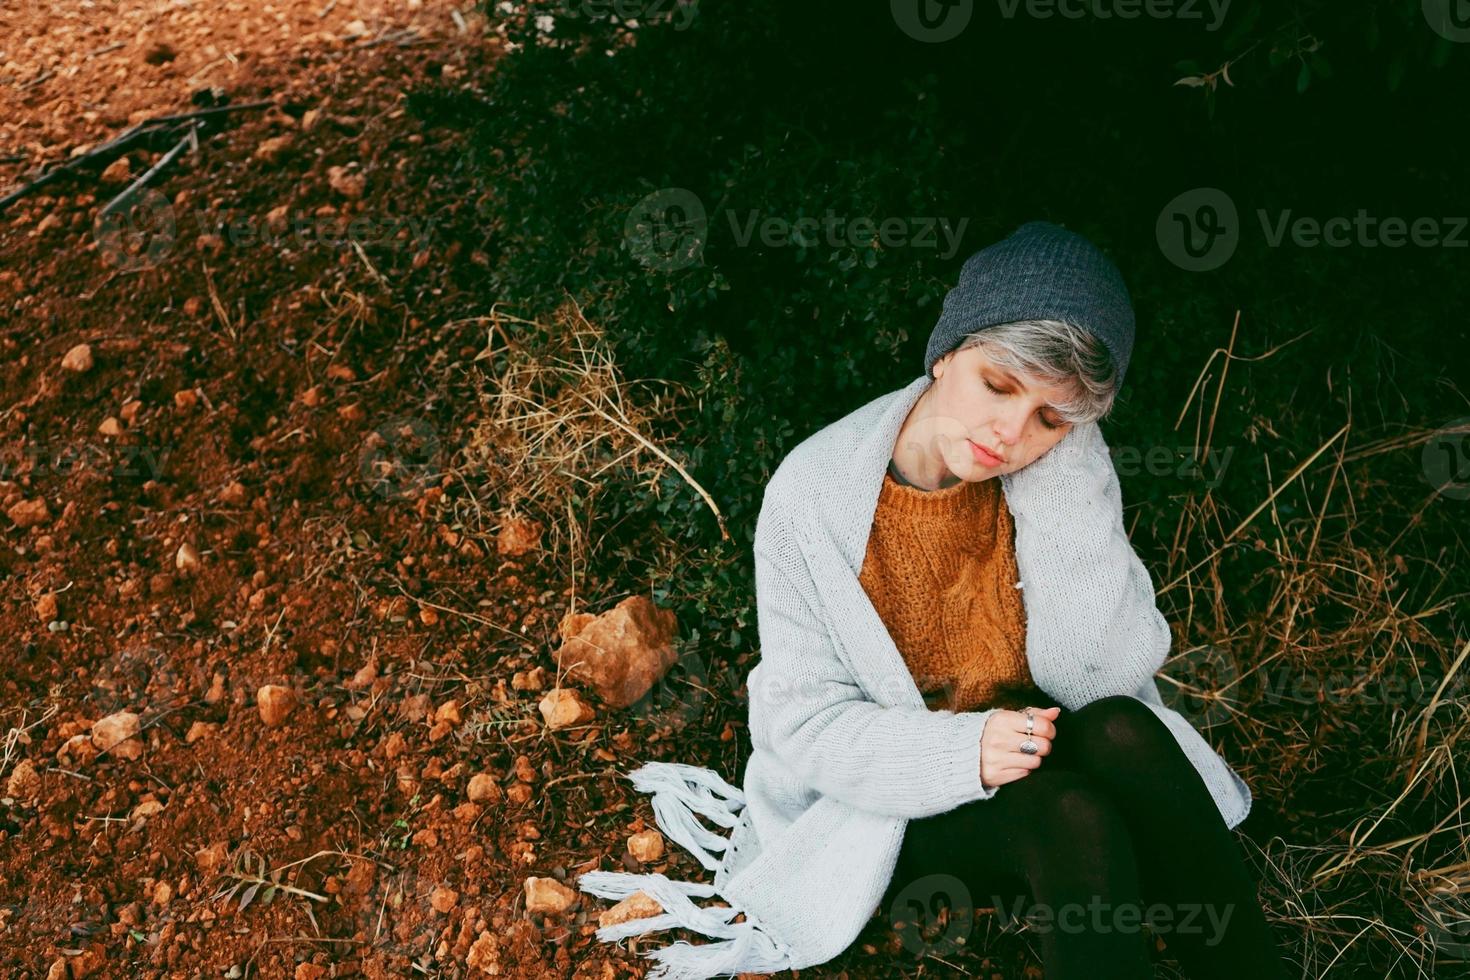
x=1065 y=807
x=1118 y=725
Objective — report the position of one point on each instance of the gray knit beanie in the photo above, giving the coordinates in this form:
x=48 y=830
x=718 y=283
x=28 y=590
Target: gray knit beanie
x=1041 y=272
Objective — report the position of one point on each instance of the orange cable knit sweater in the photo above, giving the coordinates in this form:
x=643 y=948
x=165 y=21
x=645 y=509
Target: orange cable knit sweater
x=941 y=571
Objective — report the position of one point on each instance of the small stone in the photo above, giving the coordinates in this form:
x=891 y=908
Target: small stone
x=118 y=734
x=278 y=219
x=29 y=513
x=347 y=183
x=547 y=895
x=448 y=711
x=210 y=858
x=484 y=955
x=529 y=680
x=185 y=399
x=78 y=360
x=116 y=172
x=647 y=846
x=443 y=900
x=484 y=789
x=198 y=730
x=186 y=559
x=273 y=149
x=275 y=704
x=639 y=905
x=146 y=809
x=518 y=535
x=24 y=783
x=563 y=707
x=364 y=677
x=110 y=427
x=394 y=746
x=234 y=494
x=77 y=750
x=46 y=607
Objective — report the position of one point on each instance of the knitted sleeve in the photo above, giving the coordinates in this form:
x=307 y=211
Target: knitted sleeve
x=808 y=711
x=1093 y=628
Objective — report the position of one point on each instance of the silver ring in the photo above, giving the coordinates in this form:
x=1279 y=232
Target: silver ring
x=1030 y=722
x=1029 y=747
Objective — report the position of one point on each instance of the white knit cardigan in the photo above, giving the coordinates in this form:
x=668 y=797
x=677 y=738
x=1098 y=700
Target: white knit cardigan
x=844 y=749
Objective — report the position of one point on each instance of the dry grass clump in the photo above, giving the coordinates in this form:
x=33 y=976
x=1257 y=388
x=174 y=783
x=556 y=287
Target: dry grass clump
x=1336 y=683
x=557 y=428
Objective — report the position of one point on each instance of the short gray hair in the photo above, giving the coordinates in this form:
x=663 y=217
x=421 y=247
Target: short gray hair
x=1053 y=352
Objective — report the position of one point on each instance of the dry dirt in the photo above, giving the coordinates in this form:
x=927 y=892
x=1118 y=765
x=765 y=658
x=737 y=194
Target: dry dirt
x=226 y=498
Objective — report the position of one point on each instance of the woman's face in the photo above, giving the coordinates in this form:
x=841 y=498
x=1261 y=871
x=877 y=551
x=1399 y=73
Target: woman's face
x=972 y=401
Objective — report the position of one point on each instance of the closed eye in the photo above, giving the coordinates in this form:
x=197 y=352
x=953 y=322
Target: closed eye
x=997 y=391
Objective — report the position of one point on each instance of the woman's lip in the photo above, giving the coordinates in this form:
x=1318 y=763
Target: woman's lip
x=984 y=455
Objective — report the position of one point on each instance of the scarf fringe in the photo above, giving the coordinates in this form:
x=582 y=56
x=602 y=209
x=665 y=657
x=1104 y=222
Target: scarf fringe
x=680 y=791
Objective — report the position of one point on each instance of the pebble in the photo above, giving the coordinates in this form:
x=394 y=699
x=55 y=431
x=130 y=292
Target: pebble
x=78 y=360
x=275 y=704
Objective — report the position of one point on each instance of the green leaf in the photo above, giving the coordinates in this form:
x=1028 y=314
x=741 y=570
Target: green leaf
x=1303 y=78
x=269 y=895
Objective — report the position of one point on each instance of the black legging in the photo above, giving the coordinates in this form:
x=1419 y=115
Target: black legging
x=1115 y=818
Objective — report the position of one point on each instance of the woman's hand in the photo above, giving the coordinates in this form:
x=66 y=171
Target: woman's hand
x=1001 y=758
